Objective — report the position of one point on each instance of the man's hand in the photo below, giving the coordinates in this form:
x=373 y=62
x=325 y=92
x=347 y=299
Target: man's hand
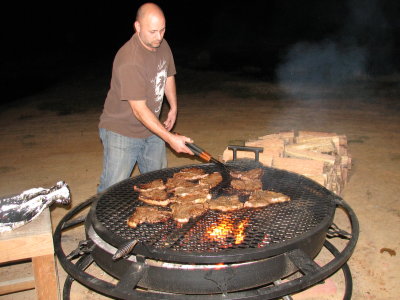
x=177 y=142
x=170 y=121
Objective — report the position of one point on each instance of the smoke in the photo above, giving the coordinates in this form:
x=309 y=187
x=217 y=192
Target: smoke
x=361 y=47
x=327 y=62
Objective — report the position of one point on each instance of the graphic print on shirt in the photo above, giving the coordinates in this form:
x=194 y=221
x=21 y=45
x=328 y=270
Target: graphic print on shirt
x=159 y=84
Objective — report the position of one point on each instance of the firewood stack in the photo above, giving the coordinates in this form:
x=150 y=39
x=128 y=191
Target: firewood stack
x=320 y=156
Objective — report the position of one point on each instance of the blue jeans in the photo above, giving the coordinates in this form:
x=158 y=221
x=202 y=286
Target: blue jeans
x=121 y=154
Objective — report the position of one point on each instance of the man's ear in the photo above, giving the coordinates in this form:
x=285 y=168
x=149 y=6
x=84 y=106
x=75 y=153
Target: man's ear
x=136 y=26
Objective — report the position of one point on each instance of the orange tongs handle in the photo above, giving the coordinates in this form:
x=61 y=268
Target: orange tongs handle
x=199 y=152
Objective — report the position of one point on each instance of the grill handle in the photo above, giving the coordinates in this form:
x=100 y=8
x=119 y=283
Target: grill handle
x=256 y=151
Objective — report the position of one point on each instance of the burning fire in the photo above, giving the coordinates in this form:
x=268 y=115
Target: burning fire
x=227 y=228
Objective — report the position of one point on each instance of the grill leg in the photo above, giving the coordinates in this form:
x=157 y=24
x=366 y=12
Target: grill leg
x=133 y=275
x=83 y=263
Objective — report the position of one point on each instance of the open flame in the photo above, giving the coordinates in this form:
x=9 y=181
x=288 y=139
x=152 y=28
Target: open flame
x=227 y=228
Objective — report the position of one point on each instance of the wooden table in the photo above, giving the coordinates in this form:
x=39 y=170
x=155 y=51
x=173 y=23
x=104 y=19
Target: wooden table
x=32 y=241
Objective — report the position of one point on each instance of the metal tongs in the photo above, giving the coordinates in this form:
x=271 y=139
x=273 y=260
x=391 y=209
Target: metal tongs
x=226 y=176
x=204 y=154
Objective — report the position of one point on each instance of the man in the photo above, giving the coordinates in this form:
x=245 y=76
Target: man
x=130 y=130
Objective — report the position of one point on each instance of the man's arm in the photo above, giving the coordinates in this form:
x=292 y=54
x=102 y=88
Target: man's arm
x=170 y=94
x=148 y=119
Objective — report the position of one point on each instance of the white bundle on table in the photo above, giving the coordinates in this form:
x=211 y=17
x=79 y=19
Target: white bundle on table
x=23 y=208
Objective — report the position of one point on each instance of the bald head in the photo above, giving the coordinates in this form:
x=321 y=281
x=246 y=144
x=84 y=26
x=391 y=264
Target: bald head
x=148 y=10
x=150 y=25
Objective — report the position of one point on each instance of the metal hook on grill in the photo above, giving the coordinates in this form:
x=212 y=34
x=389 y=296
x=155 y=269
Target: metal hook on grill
x=84 y=247
x=335 y=231
x=125 y=249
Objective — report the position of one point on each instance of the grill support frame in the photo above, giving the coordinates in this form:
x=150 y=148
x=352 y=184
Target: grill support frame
x=119 y=291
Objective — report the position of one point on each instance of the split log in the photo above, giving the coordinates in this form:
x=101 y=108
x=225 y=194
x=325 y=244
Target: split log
x=288 y=136
x=293 y=151
x=272 y=146
x=320 y=156
x=300 y=166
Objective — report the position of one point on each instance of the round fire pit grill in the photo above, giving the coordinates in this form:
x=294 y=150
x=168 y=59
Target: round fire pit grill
x=176 y=262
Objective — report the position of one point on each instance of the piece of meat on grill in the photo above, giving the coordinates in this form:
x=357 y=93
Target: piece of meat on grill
x=212 y=180
x=182 y=213
x=191 y=198
x=265 y=198
x=249 y=175
x=155 y=197
x=225 y=203
x=192 y=173
x=182 y=191
x=174 y=183
x=147 y=214
x=246 y=184
x=155 y=184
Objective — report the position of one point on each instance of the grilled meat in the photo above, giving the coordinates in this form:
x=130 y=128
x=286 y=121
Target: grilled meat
x=264 y=198
x=189 y=192
x=155 y=184
x=174 y=183
x=212 y=180
x=155 y=197
x=246 y=185
x=190 y=174
x=226 y=203
x=192 y=198
x=147 y=214
x=195 y=190
x=182 y=213
x=247 y=180
x=248 y=175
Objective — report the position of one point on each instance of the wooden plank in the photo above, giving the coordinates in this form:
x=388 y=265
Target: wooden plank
x=45 y=272
x=29 y=240
x=300 y=166
x=272 y=146
x=286 y=136
x=16 y=285
x=307 y=154
x=303 y=133
x=320 y=145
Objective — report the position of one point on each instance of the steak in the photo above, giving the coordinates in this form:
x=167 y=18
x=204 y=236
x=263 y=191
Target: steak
x=190 y=174
x=212 y=180
x=191 y=198
x=174 y=183
x=182 y=213
x=247 y=180
x=155 y=184
x=246 y=185
x=147 y=214
x=155 y=197
x=195 y=190
x=265 y=198
x=248 y=175
x=225 y=203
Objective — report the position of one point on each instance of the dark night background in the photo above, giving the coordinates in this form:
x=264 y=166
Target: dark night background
x=269 y=40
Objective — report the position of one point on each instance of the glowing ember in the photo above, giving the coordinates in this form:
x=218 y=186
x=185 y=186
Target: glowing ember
x=239 y=235
x=227 y=228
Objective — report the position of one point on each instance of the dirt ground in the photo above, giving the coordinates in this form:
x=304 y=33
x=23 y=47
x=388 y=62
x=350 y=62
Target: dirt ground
x=40 y=147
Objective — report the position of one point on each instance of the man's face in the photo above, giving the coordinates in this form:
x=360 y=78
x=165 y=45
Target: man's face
x=151 y=31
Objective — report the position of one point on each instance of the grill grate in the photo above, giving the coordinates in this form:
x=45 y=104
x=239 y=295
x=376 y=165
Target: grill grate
x=246 y=228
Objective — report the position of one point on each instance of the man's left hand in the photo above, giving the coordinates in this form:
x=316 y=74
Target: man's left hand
x=170 y=121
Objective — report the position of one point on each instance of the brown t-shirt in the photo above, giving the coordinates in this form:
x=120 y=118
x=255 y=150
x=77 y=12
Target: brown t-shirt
x=137 y=74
